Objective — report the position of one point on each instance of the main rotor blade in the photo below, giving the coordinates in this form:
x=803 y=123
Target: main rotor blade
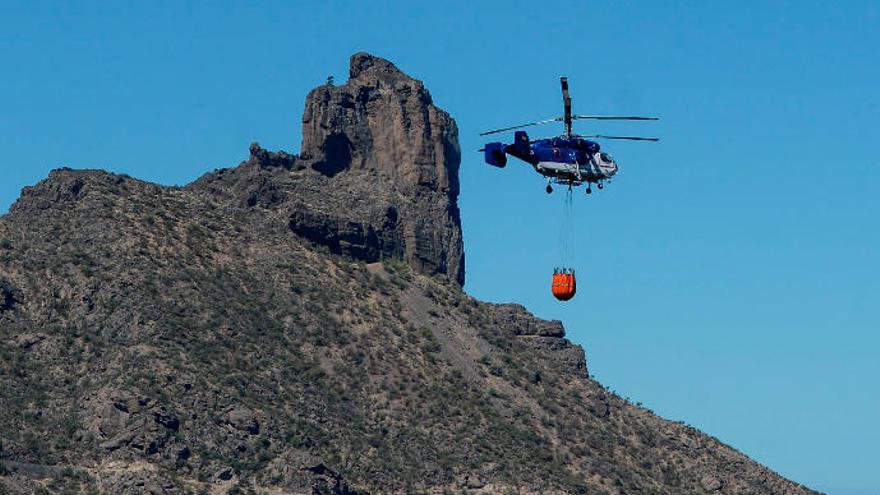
x=612 y=117
x=545 y=121
x=629 y=138
x=566 y=103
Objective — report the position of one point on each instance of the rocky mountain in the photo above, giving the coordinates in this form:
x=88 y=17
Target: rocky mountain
x=297 y=325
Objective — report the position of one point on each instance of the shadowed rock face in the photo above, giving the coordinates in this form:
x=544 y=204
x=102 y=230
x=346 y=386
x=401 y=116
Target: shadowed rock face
x=384 y=121
x=8 y=297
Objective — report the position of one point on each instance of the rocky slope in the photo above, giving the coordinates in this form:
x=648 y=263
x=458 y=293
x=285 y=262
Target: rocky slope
x=296 y=324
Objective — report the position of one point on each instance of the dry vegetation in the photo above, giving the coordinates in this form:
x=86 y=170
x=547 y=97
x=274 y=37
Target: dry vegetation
x=174 y=341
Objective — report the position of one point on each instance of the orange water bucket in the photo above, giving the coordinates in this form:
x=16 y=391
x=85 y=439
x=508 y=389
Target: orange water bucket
x=564 y=285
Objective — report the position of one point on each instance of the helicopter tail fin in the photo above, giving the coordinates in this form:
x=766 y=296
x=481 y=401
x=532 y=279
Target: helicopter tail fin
x=495 y=154
x=520 y=143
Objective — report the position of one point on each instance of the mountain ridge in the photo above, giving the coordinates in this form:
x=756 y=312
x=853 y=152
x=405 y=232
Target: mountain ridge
x=296 y=324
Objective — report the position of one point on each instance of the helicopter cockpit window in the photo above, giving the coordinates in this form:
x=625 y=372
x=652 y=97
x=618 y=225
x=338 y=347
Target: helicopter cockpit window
x=606 y=158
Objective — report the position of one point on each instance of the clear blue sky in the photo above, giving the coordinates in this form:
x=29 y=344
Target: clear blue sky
x=729 y=277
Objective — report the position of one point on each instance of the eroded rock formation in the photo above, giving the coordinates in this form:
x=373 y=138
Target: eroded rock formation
x=384 y=121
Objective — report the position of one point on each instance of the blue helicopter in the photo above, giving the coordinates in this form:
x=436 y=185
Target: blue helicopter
x=569 y=159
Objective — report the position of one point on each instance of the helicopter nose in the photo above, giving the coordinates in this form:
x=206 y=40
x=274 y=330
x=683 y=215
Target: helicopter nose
x=606 y=163
x=610 y=169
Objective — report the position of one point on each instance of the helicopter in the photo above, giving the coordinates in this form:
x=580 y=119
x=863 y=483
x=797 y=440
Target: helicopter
x=569 y=159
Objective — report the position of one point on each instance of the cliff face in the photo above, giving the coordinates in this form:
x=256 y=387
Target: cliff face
x=296 y=324
x=384 y=121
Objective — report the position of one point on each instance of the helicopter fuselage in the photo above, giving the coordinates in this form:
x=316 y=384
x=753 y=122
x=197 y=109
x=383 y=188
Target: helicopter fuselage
x=564 y=160
x=569 y=159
